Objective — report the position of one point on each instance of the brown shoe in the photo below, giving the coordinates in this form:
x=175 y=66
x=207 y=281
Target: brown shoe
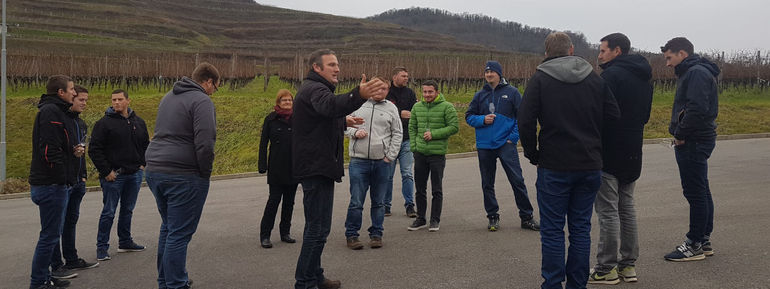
x=375 y=242
x=330 y=284
x=355 y=244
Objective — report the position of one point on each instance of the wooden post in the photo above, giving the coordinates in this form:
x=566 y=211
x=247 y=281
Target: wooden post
x=266 y=75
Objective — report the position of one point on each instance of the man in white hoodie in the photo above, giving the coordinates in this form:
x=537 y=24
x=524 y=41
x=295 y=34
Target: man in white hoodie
x=373 y=147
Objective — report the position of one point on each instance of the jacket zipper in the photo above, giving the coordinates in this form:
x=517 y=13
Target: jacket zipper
x=369 y=146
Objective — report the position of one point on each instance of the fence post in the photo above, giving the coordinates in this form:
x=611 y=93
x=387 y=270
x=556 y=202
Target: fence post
x=267 y=73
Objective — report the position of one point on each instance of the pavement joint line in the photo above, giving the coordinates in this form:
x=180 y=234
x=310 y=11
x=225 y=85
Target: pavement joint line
x=448 y=156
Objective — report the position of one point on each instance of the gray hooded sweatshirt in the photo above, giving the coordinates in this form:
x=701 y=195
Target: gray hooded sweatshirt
x=382 y=122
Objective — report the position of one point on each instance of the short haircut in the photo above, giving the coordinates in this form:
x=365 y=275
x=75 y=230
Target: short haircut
x=387 y=82
x=677 y=44
x=57 y=82
x=79 y=89
x=557 y=44
x=397 y=70
x=281 y=94
x=316 y=57
x=618 y=40
x=125 y=94
x=431 y=83
x=205 y=71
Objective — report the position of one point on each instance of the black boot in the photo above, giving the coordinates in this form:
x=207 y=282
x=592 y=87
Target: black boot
x=287 y=238
x=266 y=243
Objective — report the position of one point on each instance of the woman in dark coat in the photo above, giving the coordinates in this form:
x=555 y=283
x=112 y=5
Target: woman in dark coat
x=276 y=130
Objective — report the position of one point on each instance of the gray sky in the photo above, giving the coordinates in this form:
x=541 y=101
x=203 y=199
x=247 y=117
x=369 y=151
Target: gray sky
x=734 y=25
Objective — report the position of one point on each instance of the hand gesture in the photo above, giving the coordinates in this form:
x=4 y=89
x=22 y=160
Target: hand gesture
x=353 y=121
x=371 y=88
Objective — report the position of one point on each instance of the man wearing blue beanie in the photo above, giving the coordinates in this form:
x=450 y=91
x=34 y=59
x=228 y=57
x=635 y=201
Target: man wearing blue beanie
x=492 y=112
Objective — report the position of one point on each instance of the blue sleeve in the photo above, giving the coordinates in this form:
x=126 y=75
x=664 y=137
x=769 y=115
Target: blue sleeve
x=472 y=115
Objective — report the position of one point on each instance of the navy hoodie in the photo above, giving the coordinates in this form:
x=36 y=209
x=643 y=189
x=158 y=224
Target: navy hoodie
x=696 y=103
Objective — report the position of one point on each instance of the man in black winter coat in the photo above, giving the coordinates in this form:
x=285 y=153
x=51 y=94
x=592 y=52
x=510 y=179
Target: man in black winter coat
x=693 y=125
x=118 y=143
x=404 y=98
x=317 y=150
x=628 y=76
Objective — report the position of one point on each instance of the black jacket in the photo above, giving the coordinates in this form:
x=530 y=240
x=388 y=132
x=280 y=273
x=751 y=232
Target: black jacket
x=404 y=98
x=277 y=131
x=53 y=142
x=319 y=123
x=628 y=76
x=81 y=130
x=571 y=103
x=696 y=103
x=118 y=143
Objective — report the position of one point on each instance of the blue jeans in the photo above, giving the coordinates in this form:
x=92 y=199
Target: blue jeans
x=566 y=194
x=51 y=200
x=366 y=174
x=123 y=190
x=180 y=200
x=72 y=214
x=692 y=158
x=405 y=161
x=318 y=201
x=509 y=158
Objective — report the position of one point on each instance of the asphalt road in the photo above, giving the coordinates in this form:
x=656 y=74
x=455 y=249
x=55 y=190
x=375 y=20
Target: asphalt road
x=225 y=252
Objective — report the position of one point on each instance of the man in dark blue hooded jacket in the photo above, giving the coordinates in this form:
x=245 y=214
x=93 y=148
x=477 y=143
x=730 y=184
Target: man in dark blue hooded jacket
x=693 y=125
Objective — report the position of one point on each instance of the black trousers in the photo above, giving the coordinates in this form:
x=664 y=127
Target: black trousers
x=433 y=166
x=278 y=192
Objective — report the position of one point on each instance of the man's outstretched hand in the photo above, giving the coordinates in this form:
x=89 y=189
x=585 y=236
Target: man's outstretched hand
x=370 y=88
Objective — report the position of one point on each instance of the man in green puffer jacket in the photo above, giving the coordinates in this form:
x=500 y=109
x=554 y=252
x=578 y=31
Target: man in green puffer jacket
x=433 y=121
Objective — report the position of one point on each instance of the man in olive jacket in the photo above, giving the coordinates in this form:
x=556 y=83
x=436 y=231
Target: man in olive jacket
x=433 y=121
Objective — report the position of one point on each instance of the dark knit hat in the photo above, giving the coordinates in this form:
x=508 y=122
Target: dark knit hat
x=494 y=66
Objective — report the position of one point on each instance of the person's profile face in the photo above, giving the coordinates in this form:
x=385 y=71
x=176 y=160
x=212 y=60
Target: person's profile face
x=674 y=58
x=79 y=102
x=606 y=54
x=329 y=68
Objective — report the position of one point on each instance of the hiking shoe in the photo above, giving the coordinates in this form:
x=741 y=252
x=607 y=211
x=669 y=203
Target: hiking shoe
x=330 y=284
x=628 y=274
x=387 y=212
x=419 y=223
x=530 y=224
x=62 y=273
x=375 y=242
x=609 y=278
x=131 y=247
x=434 y=226
x=708 y=251
x=410 y=212
x=494 y=224
x=265 y=243
x=102 y=255
x=686 y=252
x=355 y=244
x=59 y=283
x=80 y=264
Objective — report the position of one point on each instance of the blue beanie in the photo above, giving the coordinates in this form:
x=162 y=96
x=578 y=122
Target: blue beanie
x=494 y=66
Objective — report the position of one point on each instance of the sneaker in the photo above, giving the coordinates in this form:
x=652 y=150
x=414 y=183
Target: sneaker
x=47 y=285
x=330 y=284
x=530 y=224
x=62 y=273
x=708 y=251
x=419 y=223
x=609 y=278
x=59 y=283
x=494 y=224
x=375 y=242
x=355 y=244
x=131 y=247
x=628 y=274
x=410 y=212
x=434 y=226
x=80 y=264
x=102 y=255
x=387 y=212
x=686 y=252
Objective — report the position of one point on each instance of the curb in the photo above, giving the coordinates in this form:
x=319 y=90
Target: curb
x=449 y=156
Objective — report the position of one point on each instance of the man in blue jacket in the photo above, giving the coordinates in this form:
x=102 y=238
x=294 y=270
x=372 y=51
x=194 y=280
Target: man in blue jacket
x=693 y=125
x=493 y=113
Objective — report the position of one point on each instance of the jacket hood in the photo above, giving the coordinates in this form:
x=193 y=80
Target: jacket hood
x=693 y=60
x=112 y=113
x=53 y=99
x=634 y=63
x=569 y=69
x=503 y=83
x=186 y=84
x=439 y=99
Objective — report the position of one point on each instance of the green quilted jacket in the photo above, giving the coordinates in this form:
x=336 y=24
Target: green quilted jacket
x=441 y=117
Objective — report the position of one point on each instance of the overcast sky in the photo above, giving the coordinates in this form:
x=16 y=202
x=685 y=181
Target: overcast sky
x=726 y=25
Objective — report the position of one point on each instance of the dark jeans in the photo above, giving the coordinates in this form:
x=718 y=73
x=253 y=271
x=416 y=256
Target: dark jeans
x=318 y=201
x=405 y=161
x=509 y=158
x=180 y=200
x=71 y=217
x=566 y=194
x=124 y=190
x=367 y=175
x=51 y=200
x=692 y=158
x=433 y=166
x=278 y=192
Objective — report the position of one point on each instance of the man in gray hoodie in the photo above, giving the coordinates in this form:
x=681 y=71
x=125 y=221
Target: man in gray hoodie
x=373 y=147
x=179 y=162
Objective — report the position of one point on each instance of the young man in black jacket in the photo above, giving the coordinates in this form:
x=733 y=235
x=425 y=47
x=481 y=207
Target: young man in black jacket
x=404 y=98
x=55 y=150
x=117 y=147
x=571 y=103
x=693 y=125
x=317 y=150
x=628 y=76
